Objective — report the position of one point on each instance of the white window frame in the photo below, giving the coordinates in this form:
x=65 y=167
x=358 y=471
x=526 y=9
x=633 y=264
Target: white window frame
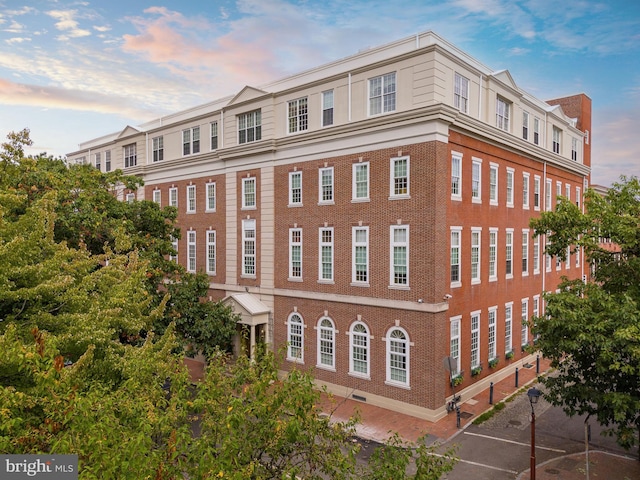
x=510 y=186
x=456 y=176
x=476 y=260
x=536 y=131
x=190 y=141
x=210 y=189
x=524 y=333
x=157 y=196
x=130 y=155
x=525 y=190
x=508 y=327
x=455 y=343
x=536 y=193
x=356 y=246
x=567 y=191
x=461 y=93
x=547 y=194
x=249 y=240
x=360 y=342
x=493 y=254
x=474 y=344
x=249 y=198
x=211 y=252
x=213 y=137
x=191 y=251
x=556 y=140
x=298 y=115
x=383 y=99
x=249 y=127
x=295 y=254
x=536 y=255
x=97 y=157
x=578 y=197
x=191 y=199
x=395 y=268
x=399 y=185
x=295 y=338
x=493 y=183
x=547 y=257
x=535 y=312
x=574 y=149
x=492 y=316
x=525 y=125
x=323 y=246
x=327 y=111
x=130 y=197
x=107 y=161
x=398 y=354
x=476 y=180
x=173 y=197
x=295 y=189
x=326 y=190
x=157 y=148
x=508 y=253
x=455 y=252
x=174 y=244
x=503 y=108
x=357 y=168
x=525 y=252
x=326 y=349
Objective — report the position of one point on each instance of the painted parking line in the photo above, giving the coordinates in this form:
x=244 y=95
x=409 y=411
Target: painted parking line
x=514 y=442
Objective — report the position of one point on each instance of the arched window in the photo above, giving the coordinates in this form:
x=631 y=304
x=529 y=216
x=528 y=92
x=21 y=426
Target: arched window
x=397 y=357
x=326 y=343
x=359 y=342
x=295 y=334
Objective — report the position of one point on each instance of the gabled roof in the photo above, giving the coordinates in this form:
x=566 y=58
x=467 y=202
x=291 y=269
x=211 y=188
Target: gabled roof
x=505 y=77
x=248 y=302
x=128 y=130
x=246 y=94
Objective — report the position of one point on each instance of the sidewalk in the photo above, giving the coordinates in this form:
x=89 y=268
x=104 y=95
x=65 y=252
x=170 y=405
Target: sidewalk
x=602 y=466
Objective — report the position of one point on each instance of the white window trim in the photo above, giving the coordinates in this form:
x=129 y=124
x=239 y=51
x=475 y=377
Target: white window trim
x=382 y=95
x=355 y=244
x=492 y=352
x=368 y=338
x=476 y=162
x=461 y=95
x=320 y=245
x=407 y=355
x=173 y=197
x=319 y=329
x=547 y=195
x=245 y=182
x=526 y=190
x=249 y=225
x=292 y=244
x=292 y=175
x=191 y=198
x=477 y=330
x=392 y=194
x=524 y=332
x=536 y=181
x=510 y=197
x=494 y=200
x=475 y=280
x=323 y=108
x=191 y=131
x=456 y=196
x=457 y=283
x=494 y=277
x=508 y=327
x=354 y=187
x=536 y=255
x=525 y=235
x=457 y=320
x=290 y=357
x=157 y=196
x=320 y=192
x=508 y=233
x=211 y=244
x=191 y=251
x=301 y=119
x=392 y=245
x=209 y=187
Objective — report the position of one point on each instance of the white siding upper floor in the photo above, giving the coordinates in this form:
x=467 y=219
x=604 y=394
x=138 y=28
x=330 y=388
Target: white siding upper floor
x=407 y=75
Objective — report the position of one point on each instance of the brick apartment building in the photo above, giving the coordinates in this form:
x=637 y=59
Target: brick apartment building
x=372 y=215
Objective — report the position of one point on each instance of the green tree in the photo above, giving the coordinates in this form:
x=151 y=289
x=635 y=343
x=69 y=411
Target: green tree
x=591 y=331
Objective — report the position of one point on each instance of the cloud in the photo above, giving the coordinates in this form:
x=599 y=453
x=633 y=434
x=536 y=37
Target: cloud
x=67 y=23
x=15 y=40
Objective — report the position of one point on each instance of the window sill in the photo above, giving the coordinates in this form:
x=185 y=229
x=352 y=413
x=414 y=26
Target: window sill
x=325 y=367
x=360 y=375
x=326 y=282
x=250 y=277
x=294 y=205
x=391 y=383
x=326 y=202
x=295 y=360
x=249 y=208
x=399 y=287
x=360 y=200
x=210 y=211
x=455 y=284
x=405 y=196
x=295 y=279
x=360 y=284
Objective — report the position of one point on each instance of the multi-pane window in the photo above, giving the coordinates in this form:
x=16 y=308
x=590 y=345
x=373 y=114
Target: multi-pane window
x=211 y=252
x=191 y=141
x=326 y=185
x=524 y=340
x=525 y=191
x=578 y=196
x=326 y=343
x=525 y=252
x=454 y=345
x=295 y=337
x=508 y=252
x=295 y=188
x=510 y=187
x=157 y=147
x=295 y=253
x=493 y=254
x=191 y=251
x=130 y=155
x=461 y=93
x=491 y=345
x=249 y=247
x=157 y=197
x=360 y=255
x=547 y=257
x=98 y=158
x=455 y=256
x=475 y=255
x=536 y=192
x=525 y=125
x=536 y=130
x=130 y=197
x=476 y=180
x=399 y=255
x=493 y=184
x=399 y=176
x=475 y=339
x=211 y=196
x=557 y=136
x=558 y=190
x=298 y=115
x=249 y=192
x=502 y=114
x=360 y=181
x=173 y=197
x=327 y=108
x=567 y=191
x=107 y=161
x=191 y=198
x=249 y=127
x=214 y=135
x=574 y=149
x=547 y=195
x=397 y=357
x=359 y=350
x=535 y=314
x=456 y=176
x=382 y=94
x=174 y=245
x=536 y=255
x=326 y=255
x=508 y=325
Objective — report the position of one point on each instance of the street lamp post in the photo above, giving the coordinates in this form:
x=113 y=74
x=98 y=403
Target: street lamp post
x=534 y=395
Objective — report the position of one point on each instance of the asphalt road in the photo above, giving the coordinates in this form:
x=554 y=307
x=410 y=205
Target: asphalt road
x=500 y=448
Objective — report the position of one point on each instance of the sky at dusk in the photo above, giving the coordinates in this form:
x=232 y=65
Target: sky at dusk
x=73 y=71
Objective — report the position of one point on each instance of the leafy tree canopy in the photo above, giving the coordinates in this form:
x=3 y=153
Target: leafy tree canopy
x=591 y=332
